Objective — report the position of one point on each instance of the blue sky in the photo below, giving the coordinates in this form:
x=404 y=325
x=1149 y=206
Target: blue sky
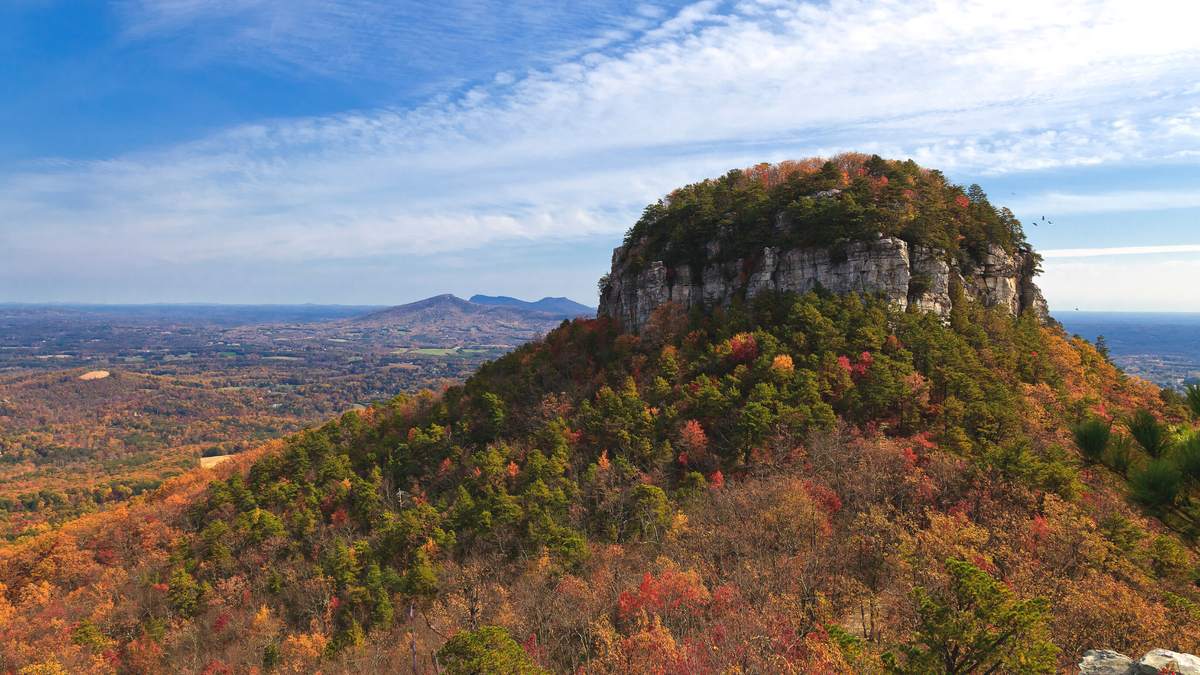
x=339 y=151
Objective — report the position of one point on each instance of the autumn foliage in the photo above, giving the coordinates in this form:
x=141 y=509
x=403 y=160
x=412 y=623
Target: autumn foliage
x=808 y=484
x=818 y=203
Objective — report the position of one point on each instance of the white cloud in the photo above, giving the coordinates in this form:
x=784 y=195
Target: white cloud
x=1121 y=250
x=1106 y=202
x=578 y=149
x=1134 y=284
x=379 y=38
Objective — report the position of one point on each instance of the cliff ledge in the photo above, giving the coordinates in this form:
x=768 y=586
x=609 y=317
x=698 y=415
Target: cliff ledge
x=908 y=274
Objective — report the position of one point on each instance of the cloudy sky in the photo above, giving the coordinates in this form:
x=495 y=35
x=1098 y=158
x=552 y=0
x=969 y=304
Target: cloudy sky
x=379 y=152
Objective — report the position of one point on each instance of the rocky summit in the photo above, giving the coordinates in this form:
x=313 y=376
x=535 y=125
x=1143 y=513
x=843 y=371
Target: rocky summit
x=908 y=274
x=851 y=224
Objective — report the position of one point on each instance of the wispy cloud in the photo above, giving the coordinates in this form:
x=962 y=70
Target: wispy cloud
x=382 y=39
x=1120 y=250
x=578 y=148
x=1107 y=202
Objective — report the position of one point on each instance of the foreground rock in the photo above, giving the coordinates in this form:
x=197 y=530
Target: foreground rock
x=1107 y=662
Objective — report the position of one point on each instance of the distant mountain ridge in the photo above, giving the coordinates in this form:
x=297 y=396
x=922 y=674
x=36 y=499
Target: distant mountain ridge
x=450 y=309
x=445 y=318
x=547 y=304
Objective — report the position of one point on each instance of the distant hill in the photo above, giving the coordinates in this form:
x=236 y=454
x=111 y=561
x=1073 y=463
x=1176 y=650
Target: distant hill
x=446 y=317
x=450 y=310
x=194 y=313
x=37 y=313
x=552 y=305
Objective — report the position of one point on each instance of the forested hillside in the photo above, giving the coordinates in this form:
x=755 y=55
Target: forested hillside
x=805 y=485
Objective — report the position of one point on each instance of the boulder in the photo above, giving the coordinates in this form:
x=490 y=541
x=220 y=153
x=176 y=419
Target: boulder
x=1156 y=662
x=1104 y=662
x=1165 y=661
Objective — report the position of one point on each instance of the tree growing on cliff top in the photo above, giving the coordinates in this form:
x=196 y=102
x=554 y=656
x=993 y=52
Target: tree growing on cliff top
x=810 y=203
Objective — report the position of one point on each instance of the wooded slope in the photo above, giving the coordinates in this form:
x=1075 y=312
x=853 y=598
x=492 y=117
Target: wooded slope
x=799 y=486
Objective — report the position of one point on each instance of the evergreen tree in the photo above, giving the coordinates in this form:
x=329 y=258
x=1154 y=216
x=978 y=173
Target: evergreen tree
x=975 y=626
x=487 y=651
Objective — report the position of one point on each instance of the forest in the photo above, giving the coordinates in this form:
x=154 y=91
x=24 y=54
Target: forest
x=803 y=484
x=818 y=203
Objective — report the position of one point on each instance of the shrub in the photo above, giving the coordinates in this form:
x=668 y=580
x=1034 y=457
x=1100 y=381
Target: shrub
x=1121 y=455
x=1187 y=459
x=271 y=658
x=1149 y=433
x=1091 y=438
x=1169 y=559
x=1156 y=486
x=1192 y=398
x=488 y=650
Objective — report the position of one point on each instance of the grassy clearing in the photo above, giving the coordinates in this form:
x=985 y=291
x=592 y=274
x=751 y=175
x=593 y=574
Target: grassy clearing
x=430 y=351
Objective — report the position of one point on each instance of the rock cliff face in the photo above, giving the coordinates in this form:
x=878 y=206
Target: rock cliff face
x=909 y=275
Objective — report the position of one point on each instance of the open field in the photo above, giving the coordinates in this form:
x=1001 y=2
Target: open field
x=210 y=462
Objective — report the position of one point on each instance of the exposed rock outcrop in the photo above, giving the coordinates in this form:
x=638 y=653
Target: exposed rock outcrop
x=1107 y=662
x=909 y=275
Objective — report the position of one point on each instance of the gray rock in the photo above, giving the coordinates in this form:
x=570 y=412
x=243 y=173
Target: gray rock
x=1162 y=660
x=886 y=264
x=1104 y=662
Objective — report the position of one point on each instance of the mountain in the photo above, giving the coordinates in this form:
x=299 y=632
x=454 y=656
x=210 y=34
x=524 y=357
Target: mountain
x=446 y=318
x=796 y=483
x=552 y=305
x=858 y=224
x=448 y=310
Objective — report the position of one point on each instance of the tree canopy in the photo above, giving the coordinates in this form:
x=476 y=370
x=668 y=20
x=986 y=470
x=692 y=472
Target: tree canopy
x=819 y=203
